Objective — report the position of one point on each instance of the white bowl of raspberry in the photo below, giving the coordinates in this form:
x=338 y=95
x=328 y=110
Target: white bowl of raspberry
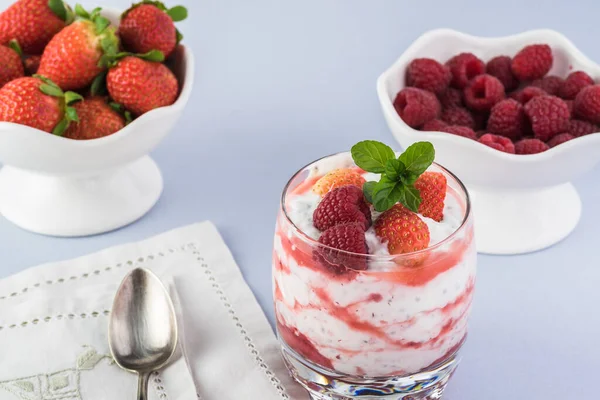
x=58 y=186
x=514 y=117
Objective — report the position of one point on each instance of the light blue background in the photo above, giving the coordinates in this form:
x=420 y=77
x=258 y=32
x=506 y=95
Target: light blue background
x=280 y=83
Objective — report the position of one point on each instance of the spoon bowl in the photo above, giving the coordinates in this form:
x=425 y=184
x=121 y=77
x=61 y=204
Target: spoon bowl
x=142 y=333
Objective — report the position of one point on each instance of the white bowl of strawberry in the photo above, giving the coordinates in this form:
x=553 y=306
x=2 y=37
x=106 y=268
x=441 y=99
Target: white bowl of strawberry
x=516 y=118
x=87 y=96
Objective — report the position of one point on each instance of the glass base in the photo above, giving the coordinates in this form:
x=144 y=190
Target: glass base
x=327 y=385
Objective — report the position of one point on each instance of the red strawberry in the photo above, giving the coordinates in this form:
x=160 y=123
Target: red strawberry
x=141 y=85
x=96 y=119
x=80 y=52
x=402 y=229
x=348 y=238
x=149 y=26
x=11 y=66
x=39 y=103
x=33 y=23
x=341 y=206
x=432 y=187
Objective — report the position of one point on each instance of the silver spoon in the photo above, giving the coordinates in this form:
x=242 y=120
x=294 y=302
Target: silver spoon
x=142 y=331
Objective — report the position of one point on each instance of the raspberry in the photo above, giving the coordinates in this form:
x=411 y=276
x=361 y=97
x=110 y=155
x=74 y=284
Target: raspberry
x=570 y=104
x=416 y=106
x=460 y=131
x=337 y=178
x=403 y=230
x=483 y=92
x=428 y=74
x=498 y=142
x=464 y=67
x=549 y=116
x=579 y=128
x=530 y=146
x=507 y=119
x=573 y=84
x=560 y=139
x=532 y=62
x=341 y=206
x=480 y=120
x=550 y=84
x=451 y=97
x=435 y=125
x=432 y=188
x=523 y=96
x=458 y=116
x=587 y=104
x=501 y=69
x=348 y=238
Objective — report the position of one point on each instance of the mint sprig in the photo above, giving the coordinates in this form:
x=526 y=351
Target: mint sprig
x=398 y=175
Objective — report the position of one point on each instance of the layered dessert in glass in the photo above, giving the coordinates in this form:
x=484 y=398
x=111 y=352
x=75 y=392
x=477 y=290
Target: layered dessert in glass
x=372 y=296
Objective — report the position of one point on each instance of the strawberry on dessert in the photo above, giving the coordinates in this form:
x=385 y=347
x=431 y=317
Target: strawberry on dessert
x=349 y=296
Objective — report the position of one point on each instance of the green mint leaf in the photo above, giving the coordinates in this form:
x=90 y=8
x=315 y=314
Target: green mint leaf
x=372 y=156
x=81 y=12
x=394 y=169
x=418 y=157
x=410 y=178
x=101 y=24
x=58 y=8
x=72 y=97
x=71 y=114
x=61 y=127
x=51 y=90
x=153 y=55
x=177 y=13
x=13 y=44
x=412 y=198
x=368 y=190
x=386 y=193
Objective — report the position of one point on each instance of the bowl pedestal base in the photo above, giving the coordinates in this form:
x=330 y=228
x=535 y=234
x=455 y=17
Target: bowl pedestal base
x=523 y=221
x=82 y=205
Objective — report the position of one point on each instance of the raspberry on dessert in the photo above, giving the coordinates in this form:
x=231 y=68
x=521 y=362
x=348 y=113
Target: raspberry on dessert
x=549 y=116
x=560 y=139
x=530 y=146
x=337 y=178
x=416 y=106
x=579 y=128
x=507 y=119
x=500 y=67
x=451 y=97
x=550 y=84
x=435 y=125
x=458 y=116
x=342 y=205
x=464 y=67
x=402 y=229
x=348 y=238
x=432 y=188
x=532 y=62
x=528 y=93
x=587 y=104
x=483 y=92
x=460 y=131
x=498 y=142
x=428 y=74
x=573 y=84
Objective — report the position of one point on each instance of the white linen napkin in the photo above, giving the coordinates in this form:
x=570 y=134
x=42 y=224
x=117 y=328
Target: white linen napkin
x=54 y=318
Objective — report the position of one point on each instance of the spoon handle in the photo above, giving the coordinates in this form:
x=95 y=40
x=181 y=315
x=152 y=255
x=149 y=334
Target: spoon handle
x=143 y=385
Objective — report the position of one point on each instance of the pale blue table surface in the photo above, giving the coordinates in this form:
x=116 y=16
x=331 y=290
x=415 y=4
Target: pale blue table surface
x=280 y=83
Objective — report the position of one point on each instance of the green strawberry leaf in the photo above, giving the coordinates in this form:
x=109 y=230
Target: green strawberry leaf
x=71 y=114
x=372 y=156
x=152 y=55
x=101 y=24
x=386 y=193
x=95 y=13
x=61 y=127
x=116 y=106
x=51 y=90
x=418 y=157
x=394 y=169
x=177 y=13
x=412 y=198
x=81 y=12
x=98 y=87
x=59 y=9
x=72 y=97
x=128 y=117
x=178 y=36
x=368 y=190
x=14 y=44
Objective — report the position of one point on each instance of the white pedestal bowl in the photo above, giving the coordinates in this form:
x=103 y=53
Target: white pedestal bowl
x=522 y=203
x=62 y=187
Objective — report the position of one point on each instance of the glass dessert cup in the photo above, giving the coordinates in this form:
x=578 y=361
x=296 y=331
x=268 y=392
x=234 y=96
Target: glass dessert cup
x=392 y=330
